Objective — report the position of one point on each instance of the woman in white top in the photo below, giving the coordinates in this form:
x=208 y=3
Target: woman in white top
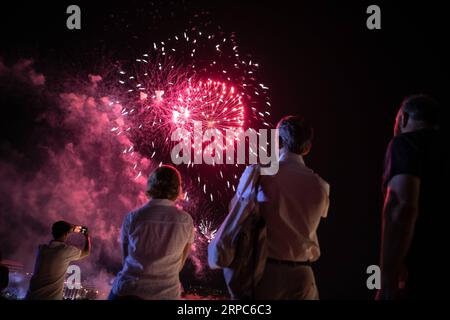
x=156 y=240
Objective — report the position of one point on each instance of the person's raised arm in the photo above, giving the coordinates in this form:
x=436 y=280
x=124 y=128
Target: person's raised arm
x=87 y=246
x=401 y=207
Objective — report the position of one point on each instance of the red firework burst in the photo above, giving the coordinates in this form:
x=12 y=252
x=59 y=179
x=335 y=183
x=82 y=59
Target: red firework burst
x=212 y=103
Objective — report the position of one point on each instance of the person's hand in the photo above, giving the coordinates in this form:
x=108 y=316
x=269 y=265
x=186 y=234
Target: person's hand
x=76 y=229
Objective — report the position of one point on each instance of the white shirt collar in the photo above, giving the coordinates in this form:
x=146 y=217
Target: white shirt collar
x=161 y=202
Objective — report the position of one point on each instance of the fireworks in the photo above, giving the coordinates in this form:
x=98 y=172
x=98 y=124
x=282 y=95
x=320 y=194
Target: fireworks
x=206 y=229
x=213 y=103
x=199 y=76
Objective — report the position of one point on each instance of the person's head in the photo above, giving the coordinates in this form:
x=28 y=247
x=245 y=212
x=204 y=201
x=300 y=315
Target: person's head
x=164 y=183
x=295 y=134
x=61 y=229
x=417 y=112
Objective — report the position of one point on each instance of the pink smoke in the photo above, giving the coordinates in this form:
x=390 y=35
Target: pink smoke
x=89 y=181
x=81 y=168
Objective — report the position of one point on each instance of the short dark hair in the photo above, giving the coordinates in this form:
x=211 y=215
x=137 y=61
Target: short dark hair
x=60 y=228
x=164 y=183
x=422 y=108
x=295 y=133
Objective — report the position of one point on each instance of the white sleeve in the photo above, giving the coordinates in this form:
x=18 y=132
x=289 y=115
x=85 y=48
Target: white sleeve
x=220 y=249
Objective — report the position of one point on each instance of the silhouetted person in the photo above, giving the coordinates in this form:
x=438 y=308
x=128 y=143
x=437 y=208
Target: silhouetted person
x=416 y=215
x=156 y=241
x=292 y=202
x=52 y=261
x=4 y=276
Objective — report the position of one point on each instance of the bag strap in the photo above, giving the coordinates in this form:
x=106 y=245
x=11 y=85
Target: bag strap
x=255 y=240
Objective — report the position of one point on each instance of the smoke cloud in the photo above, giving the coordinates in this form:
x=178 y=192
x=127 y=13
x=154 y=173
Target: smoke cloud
x=60 y=161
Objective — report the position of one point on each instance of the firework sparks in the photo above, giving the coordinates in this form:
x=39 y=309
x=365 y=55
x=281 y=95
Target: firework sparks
x=192 y=76
x=213 y=103
x=206 y=229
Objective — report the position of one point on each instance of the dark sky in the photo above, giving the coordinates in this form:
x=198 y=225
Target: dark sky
x=319 y=60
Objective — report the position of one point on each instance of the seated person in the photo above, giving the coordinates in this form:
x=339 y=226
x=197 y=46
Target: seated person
x=156 y=240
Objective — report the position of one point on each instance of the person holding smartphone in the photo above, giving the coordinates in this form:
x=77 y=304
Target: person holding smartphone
x=52 y=261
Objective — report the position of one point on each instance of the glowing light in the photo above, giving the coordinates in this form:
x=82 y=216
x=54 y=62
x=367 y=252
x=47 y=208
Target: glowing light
x=206 y=229
x=158 y=95
x=191 y=76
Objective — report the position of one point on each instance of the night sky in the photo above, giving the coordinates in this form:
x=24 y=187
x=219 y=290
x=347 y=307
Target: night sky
x=318 y=59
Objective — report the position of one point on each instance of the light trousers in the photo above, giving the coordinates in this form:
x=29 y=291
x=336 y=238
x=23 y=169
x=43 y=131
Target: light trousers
x=287 y=282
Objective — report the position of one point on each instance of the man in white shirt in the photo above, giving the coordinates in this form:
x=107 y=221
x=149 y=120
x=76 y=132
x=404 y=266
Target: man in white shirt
x=52 y=261
x=156 y=241
x=292 y=202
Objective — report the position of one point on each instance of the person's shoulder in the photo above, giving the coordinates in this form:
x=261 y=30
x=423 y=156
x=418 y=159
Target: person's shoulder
x=45 y=246
x=305 y=170
x=136 y=212
x=178 y=215
x=321 y=180
x=410 y=141
x=66 y=249
x=184 y=216
x=399 y=144
x=132 y=213
x=322 y=183
x=397 y=141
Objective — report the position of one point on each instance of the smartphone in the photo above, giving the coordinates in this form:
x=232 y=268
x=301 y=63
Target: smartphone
x=83 y=230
